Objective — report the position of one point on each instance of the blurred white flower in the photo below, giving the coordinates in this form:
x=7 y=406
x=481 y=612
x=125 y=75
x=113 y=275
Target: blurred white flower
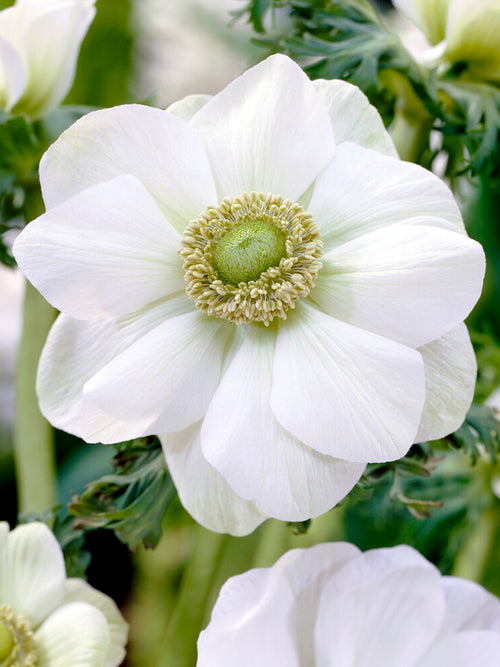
x=39 y=45
x=464 y=33
x=323 y=327
x=45 y=619
x=332 y=605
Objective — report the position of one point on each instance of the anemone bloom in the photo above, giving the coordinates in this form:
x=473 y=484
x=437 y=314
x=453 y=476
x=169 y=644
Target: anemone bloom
x=333 y=605
x=260 y=280
x=46 y=619
x=464 y=33
x=39 y=45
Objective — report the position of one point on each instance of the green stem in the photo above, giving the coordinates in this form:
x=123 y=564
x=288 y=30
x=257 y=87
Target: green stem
x=33 y=436
x=186 y=623
x=412 y=122
x=474 y=556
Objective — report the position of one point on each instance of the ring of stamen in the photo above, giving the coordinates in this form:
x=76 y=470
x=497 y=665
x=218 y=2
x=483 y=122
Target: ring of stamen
x=276 y=289
x=18 y=640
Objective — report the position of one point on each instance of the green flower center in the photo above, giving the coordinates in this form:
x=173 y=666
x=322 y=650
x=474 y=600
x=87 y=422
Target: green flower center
x=17 y=641
x=251 y=258
x=6 y=642
x=247 y=251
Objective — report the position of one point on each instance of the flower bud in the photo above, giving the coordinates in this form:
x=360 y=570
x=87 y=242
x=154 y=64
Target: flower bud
x=39 y=45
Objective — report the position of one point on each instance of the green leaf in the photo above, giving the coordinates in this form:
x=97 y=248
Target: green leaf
x=479 y=434
x=133 y=500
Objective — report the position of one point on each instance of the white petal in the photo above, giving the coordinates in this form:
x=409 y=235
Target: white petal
x=75 y=351
x=107 y=250
x=344 y=391
x=202 y=490
x=429 y=15
x=469 y=607
x=261 y=461
x=353 y=117
x=362 y=190
x=467 y=649
x=472 y=37
x=76 y=634
x=251 y=624
x=12 y=75
x=161 y=383
x=188 y=106
x=153 y=145
x=32 y=572
x=408 y=282
x=79 y=590
x=450 y=377
x=268 y=131
x=51 y=38
x=390 y=620
x=308 y=571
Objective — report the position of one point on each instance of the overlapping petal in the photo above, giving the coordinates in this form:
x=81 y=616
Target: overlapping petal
x=247 y=130
x=408 y=282
x=130 y=396
x=78 y=590
x=345 y=391
x=390 y=620
x=362 y=191
x=46 y=38
x=12 y=74
x=76 y=350
x=382 y=607
x=32 y=572
x=157 y=148
x=203 y=490
x=133 y=262
x=286 y=479
x=245 y=607
x=353 y=117
x=76 y=634
x=450 y=377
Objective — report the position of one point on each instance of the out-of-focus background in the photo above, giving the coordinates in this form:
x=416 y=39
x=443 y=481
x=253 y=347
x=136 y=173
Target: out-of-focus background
x=158 y=51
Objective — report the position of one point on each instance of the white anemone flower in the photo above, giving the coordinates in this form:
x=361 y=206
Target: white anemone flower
x=326 y=286
x=46 y=619
x=463 y=33
x=39 y=45
x=332 y=605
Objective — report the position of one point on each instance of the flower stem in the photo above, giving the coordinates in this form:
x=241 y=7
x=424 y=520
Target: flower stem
x=474 y=556
x=186 y=623
x=33 y=436
x=412 y=123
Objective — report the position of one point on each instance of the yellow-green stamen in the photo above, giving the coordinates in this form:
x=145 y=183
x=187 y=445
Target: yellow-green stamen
x=17 y=641
x=251 y=258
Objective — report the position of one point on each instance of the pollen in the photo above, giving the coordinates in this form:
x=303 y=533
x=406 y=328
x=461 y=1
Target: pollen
x=17 y=641
x=251 y=258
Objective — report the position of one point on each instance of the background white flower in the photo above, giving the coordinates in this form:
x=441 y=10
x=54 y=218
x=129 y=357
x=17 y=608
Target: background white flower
x=46 y=619
x=333 y=605
x=39 y=45
x=258 y=421
x=462 y=31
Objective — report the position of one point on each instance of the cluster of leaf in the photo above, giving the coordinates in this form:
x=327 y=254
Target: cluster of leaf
x=70 y=538
x=446 y=482
x=132 y=500
x=346 y=39
x=22 y=144
x=478 y=438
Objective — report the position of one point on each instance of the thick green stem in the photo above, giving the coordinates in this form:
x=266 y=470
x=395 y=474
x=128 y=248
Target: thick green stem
x=186 y=623
x=412 y=123
x=474 y=556
x=33 y=436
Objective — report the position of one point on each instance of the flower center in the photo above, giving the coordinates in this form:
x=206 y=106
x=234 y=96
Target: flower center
x=17 y=641
x=248 y=250
x=251 y=258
